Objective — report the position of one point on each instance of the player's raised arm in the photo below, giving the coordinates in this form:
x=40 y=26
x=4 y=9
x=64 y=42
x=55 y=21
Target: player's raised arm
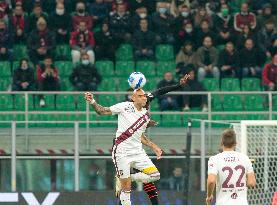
x=99 y=109
x=164 y=90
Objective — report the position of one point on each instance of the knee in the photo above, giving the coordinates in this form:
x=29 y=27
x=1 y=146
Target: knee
x=155 y=176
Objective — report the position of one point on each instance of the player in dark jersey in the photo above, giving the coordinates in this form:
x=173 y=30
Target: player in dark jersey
x=150 y=188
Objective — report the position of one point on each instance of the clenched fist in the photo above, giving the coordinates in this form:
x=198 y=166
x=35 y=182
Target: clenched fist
x=89 y=97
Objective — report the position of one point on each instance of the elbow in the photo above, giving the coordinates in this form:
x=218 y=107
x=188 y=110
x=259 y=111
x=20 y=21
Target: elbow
x=251 y=184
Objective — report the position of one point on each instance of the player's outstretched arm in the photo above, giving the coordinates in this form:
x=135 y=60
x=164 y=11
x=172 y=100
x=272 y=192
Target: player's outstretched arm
x=99 y=109
x=211 y=182
x=156 y=149
x=166 y=89
x=251 y=180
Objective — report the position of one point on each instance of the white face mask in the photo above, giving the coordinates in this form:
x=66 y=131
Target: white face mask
x=85 y=62
x=60 y=11
x=185 y=14
x=188 y=30
x=142 y=15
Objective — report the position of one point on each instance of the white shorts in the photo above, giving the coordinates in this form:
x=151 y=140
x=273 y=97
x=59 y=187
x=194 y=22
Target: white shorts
x=124 y=162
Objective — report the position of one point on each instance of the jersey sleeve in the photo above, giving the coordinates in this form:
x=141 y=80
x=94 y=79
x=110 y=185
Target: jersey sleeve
x=212 y=168
x=249 y=167
x=117 y=108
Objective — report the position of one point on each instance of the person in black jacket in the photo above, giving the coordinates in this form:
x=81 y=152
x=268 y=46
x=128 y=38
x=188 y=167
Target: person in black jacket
x=85 y=76
x=144 y=41
x=60 y=23
x=23 y=77
x=104 y=43
x=228 y=61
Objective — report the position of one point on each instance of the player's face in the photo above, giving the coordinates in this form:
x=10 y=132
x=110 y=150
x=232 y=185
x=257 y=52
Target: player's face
x=139 y=98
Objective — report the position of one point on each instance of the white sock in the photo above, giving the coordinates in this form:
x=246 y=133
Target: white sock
x=125 y=197
x=145 y=178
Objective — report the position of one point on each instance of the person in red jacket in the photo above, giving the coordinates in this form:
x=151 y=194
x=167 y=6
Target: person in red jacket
x=244 y=17
x=82 y=41
x=48 y=78
x=270 y=75
x=81 y=15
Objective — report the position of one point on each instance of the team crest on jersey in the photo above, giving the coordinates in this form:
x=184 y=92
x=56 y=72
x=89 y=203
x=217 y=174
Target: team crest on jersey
x=234 y=196
x=129 y=109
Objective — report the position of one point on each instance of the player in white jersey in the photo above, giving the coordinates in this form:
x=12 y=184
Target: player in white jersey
x=231 y=172
x=127 y=151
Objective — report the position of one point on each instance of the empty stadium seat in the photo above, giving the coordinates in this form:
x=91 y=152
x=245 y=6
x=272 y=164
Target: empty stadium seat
x=124 y=68
x=171 y=120
x=254 y=103
x=108 y=84
x=5 y=69
x=124 y=52
x=151 y=84
x=105 y=68
x=66 y=102
x=164 y=52
x=251 y=84
x=165 y=66
x=64 y=68
x=216 y=102
x=4 y=83
x=107 y=100
x=230 y=84
x=63 y=52
x=20 y=51
x=211 y=84
x=274 y=102
x=232 y=103
x=146 y=67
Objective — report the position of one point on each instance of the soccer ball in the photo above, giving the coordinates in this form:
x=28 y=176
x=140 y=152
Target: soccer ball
x=136 y=80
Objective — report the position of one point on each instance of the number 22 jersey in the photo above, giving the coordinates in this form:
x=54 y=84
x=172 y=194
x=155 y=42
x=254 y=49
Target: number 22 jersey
x=231 y=168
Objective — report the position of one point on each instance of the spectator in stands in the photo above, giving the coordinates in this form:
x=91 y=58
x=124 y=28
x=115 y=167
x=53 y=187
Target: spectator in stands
x=176 y=181
x=265 y=37
x=141 y=13
x=186 y=54
x=144 y=42
x=104 y=43
x=134 y=5
x=85 y=76
x=35 y=15
x=167 y=102
x=265 y=16
x=82 y=41
x=120 y=24
x=186 y=33
x=4 y=9
x=184 y=17
x=241 y=37
x=99 y=10
x=270 y=75
x=244 y=17
x=273 y=48
x=228 y=61
x=223 y=25
x=23 y=77
x=60 y=22
x=81 y=15
x=41 y=42
x=206 y=60
x=193 y=85
x=5 y=42
x=48 y=78
x=251 y=60
x=19 y=25
x=163 y=24
x=201 y=15
x=204 y=31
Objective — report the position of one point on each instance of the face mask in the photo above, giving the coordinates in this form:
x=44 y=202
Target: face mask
x=185 y=14
x=60 y=11
x=142 y=15
x=85 y=62
x=162 y=10
x=188 y=30
x=225 y=12
x=24 y=67
x=81 y=11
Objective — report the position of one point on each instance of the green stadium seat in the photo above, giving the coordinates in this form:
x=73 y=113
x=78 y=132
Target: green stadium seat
x=6 y=102
x=66 y=102
x=124 y=68
x=105 y=68
x=254 y=103
x=165 y=66
x=274 y=102
x=122 y=84
x=171 y=120
x=80 y=102
x=63 y=52
x=124 y=52
x=65 y=68
x=49 y=103
x=107 y=100
x=230 y=84
x=4 y=83
x=251 y=84
x=154 y=106
x=5 y=69
x=20 y=51
x=211 y=84
x=164 y=52
x=216 y=102
x=66 y=85
x=108 y=84
x=146 y=67
x=232 y=103
x=257 y=117
x=101 y=120
x=151 y=84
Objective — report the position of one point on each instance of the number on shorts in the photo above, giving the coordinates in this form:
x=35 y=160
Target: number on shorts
x=230 y=171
